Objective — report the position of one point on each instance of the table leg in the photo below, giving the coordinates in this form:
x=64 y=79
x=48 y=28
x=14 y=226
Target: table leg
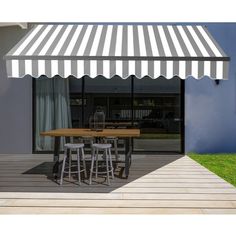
x=68 y=140
x=56 y=153
x=57 y=141
x=127 y=156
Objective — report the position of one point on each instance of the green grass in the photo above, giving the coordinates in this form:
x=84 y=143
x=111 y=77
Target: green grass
x=224 y=165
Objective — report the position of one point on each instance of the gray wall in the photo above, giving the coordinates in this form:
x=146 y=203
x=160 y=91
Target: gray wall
x=210 y=110
x=15 y=101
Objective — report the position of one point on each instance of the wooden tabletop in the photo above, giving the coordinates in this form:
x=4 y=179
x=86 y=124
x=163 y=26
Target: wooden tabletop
x=71 y=132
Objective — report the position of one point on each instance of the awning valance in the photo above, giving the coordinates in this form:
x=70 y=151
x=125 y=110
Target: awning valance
x=114 y=49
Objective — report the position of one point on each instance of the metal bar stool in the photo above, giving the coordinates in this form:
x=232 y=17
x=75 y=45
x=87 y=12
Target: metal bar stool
x=79 y=147
x=106 y=149
x=114 y=140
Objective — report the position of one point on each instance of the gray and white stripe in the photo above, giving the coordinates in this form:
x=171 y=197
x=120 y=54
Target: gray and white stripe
x=124 y=50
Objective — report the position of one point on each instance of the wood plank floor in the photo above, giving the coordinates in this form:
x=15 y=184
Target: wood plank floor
x=158 y=184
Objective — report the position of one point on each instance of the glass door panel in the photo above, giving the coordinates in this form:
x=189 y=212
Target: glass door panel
x=157 y=114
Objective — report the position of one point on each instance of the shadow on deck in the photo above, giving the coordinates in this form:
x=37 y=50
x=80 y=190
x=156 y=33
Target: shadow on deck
x=34 y=174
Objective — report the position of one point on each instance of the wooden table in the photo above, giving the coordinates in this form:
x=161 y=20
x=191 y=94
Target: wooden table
x=125 y=134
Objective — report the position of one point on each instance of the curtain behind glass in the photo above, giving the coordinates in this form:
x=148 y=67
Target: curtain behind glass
x=52 y=109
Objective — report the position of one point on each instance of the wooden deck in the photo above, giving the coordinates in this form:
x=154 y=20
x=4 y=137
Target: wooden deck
x=158 y=184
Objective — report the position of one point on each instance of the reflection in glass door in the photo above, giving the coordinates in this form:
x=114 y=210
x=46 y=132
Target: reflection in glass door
x=158 y=115
x=152 y=105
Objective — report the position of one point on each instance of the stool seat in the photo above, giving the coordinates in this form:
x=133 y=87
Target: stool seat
x=74 y=145
x=101 y=145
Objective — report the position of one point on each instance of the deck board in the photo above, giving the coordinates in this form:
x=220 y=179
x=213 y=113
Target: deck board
x=158 y=184
x=89 y=210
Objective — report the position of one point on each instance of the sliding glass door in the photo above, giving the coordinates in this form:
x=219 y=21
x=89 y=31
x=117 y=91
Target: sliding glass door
x=152 y=105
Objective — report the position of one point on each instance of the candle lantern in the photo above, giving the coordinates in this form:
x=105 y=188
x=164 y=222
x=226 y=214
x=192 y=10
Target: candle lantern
x=99 y=119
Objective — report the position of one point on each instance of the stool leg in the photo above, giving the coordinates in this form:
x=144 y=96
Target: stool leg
x=70 y=156
x=84 y=164
x=63 y=168
x=107 y=166
x=78 y=165
x=109 y=153
x=103 y=155
x=96 y=173
x=91 y=169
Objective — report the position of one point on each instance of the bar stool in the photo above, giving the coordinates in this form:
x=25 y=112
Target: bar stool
x=79 y=147
x=114 y=140
x=106 y=149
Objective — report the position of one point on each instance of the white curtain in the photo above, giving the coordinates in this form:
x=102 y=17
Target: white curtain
x=52 y=109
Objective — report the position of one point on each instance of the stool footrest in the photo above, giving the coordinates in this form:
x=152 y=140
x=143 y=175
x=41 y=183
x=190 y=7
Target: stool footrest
x=102 y=172
x=72 y=172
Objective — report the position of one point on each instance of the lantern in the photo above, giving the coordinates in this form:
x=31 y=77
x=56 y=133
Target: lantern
x=99 y=119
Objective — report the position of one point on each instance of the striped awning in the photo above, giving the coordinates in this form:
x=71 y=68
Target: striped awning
x=114 y=49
